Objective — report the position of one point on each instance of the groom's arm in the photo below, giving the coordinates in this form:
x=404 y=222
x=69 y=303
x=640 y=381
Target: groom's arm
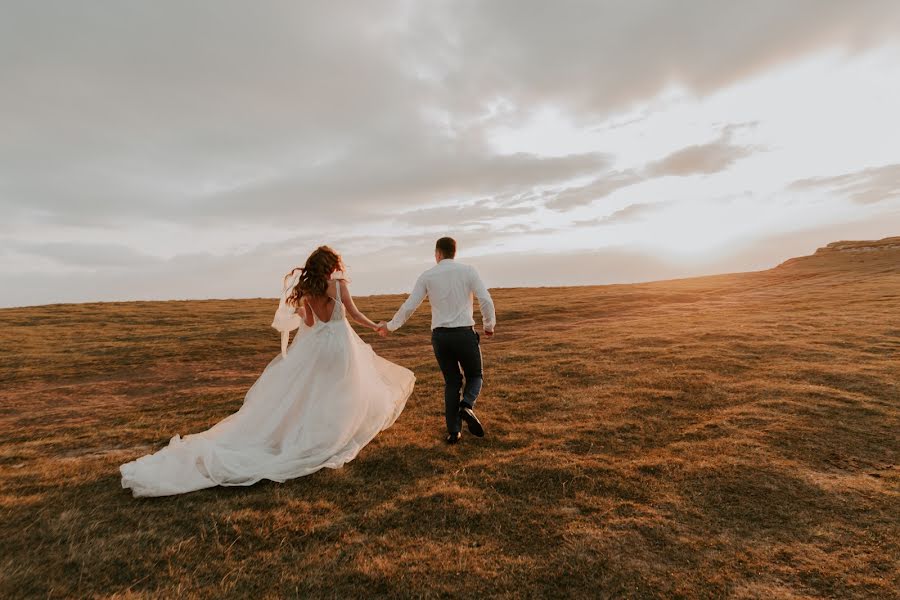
x=485 y=302
x=409 y=307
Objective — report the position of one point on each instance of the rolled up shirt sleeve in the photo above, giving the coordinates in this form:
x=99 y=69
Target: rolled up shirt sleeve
x=485 y=302
x=409 y=307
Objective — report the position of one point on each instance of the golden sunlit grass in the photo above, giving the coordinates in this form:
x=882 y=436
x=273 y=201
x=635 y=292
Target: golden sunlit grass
x=733 y=435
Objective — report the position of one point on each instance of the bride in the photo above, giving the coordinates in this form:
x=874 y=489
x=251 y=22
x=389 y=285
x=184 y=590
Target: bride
x=315 y=405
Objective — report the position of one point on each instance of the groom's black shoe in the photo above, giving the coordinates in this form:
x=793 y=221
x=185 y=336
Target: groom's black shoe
x=453 y=437
x=468 y=415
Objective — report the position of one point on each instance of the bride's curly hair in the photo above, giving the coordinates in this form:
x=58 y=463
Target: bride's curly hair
x=315 y=274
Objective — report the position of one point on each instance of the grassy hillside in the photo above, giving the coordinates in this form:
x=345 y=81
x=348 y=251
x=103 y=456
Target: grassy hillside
x=733 y=435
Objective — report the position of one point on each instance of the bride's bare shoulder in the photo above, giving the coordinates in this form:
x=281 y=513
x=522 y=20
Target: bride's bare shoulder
x=332 y=286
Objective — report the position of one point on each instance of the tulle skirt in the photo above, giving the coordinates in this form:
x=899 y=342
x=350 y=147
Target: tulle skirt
x=314 y=408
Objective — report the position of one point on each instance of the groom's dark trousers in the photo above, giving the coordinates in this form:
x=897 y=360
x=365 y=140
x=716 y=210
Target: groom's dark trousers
x=456 y=347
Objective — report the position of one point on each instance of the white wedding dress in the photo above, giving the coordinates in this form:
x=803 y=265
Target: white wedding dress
x=315 y=405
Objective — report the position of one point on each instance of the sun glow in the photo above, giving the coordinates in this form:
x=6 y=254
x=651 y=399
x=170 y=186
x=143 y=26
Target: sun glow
x=826 y=114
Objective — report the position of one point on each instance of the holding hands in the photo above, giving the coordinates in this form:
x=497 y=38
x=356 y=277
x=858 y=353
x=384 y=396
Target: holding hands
x=382 y=329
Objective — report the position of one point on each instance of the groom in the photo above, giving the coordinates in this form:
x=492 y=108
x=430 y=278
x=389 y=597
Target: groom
x=450 y=286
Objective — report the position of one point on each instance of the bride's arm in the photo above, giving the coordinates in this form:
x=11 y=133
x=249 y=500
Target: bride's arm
x=305 y=313
x=354 y=312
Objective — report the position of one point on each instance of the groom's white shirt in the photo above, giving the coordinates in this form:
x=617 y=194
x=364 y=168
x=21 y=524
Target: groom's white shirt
x=449 y=286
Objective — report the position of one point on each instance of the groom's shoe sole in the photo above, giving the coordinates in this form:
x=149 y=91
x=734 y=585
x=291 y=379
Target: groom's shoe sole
x=453 y=437
x=468 y=415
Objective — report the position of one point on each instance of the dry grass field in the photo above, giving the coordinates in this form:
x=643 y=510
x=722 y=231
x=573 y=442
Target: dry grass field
x=726 y=436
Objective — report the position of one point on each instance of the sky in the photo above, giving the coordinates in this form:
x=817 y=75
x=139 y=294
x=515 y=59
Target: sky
x=173 y=150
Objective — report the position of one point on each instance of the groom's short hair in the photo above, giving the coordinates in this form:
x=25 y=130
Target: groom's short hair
x=447 y=246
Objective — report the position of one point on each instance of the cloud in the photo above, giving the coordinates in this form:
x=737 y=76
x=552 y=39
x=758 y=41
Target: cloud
x=86 y=255
x=595 y=190
x=320 y=118
x=208 y=111
x=393 y=267
x=594 y=57
x=699 y=159
x=868 y=186
x=383 y=183
x=629 y=214
x=463 y=215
